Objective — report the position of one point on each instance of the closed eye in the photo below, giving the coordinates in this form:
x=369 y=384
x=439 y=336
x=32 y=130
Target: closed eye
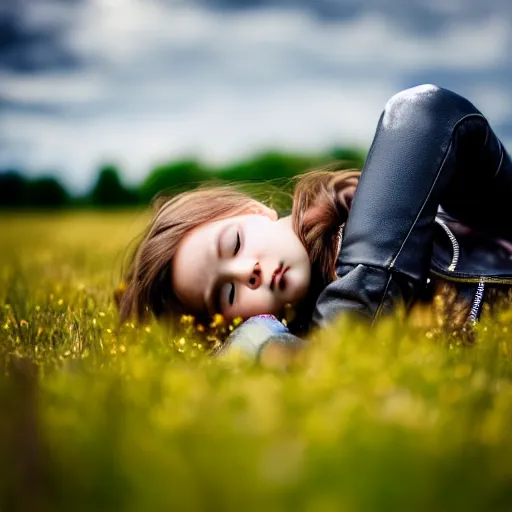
x=237 y=246
x=225 y=294
x=232 y=291
x=231 y=294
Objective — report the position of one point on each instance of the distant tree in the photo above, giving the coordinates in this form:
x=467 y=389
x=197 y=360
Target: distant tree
x=270 y=165
x=109 y=190
x=13 y=189
x=353 y=157
x=173 y=177
x=46 y=192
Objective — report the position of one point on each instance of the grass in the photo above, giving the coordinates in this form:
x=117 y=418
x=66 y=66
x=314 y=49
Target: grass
x=96 y=416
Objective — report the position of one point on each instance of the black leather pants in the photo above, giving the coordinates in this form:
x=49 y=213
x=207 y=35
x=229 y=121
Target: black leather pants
x=432 y=147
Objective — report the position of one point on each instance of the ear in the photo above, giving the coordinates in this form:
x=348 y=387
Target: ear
x=260 y=209
x=345 y=194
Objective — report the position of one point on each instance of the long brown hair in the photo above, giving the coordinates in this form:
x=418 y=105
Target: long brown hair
x=321 y=201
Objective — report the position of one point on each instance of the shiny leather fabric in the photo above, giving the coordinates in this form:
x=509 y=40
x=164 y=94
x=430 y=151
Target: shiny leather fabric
x=432 y=148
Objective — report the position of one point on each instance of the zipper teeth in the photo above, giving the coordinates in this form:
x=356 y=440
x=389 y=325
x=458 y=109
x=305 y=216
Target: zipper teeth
x=477 y=301
x=455 y=245
x=455 y=260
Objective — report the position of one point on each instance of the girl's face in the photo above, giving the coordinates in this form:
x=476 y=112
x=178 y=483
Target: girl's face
x=241 y=266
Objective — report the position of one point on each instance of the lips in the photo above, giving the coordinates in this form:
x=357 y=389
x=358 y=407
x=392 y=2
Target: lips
x=280 y=280
x=278 y=277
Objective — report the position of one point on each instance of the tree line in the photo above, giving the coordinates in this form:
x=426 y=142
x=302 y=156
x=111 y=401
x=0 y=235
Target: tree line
x=18 y=191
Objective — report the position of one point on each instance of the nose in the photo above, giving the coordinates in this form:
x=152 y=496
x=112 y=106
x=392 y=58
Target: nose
x=255 y=278
x=248 y=273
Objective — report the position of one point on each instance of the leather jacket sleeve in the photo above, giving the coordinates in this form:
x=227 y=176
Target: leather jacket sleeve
x=432 y=147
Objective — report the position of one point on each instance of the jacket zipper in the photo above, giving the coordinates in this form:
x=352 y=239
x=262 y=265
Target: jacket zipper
x=479 y=294
x=455 y=245
x=461 y=278
x=475 y=308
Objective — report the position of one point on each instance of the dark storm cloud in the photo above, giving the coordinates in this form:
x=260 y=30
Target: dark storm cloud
x=27 y=45
x=31 y=45
x=422 y=16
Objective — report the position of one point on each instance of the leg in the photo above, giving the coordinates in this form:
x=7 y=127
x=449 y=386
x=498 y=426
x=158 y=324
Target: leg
x=431 y=147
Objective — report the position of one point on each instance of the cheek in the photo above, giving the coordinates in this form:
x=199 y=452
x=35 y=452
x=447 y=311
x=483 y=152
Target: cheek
x=273 y=240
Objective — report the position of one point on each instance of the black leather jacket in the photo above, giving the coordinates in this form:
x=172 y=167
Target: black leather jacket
x=434 y=195
x=434 y=163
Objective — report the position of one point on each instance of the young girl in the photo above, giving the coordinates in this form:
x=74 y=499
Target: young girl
x=432 y=204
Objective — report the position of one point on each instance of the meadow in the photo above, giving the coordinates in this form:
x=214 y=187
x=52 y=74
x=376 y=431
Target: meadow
x=100 y=416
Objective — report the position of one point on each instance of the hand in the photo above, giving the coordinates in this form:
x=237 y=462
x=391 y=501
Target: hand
x=254 y=336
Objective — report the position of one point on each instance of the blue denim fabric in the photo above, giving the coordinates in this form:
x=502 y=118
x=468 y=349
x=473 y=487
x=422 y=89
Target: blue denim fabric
x=257 y=331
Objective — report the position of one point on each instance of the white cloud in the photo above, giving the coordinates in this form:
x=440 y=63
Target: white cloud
x=493 y=100
x=376 y=41
x=82 y=87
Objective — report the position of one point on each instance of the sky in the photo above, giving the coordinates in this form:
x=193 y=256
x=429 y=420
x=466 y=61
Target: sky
x=141 y=82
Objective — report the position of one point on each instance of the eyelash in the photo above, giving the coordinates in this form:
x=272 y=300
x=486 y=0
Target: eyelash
x=231 y=298
x=237 y=246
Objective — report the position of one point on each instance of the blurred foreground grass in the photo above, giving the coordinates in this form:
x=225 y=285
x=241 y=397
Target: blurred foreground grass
x=124 y=418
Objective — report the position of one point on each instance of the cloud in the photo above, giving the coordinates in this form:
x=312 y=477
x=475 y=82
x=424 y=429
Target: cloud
x=30 y=36
x=158 y=80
